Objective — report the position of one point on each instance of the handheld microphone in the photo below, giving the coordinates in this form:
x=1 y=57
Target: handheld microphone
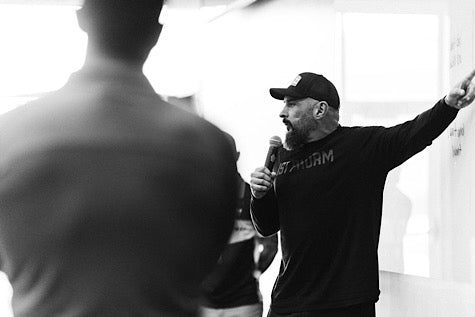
x=275 y=143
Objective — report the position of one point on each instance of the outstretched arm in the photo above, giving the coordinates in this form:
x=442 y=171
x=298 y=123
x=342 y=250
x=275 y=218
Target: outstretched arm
x=394 y=145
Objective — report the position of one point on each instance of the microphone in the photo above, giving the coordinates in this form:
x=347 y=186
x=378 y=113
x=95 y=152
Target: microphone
x=275 y=143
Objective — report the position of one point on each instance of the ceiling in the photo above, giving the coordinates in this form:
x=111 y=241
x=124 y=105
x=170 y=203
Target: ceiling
x=172 y=3
x=42 y=2
x=172 y=10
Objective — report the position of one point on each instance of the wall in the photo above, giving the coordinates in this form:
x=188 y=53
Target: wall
x=249 y=51
x=411 y=296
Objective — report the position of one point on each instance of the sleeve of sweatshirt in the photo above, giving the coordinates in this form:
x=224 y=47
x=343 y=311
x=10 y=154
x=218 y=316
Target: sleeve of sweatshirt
x=396 y=144
x=265 y=214
x=270 y=247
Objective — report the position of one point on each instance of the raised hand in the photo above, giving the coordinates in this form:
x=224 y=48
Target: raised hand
x=463 y=93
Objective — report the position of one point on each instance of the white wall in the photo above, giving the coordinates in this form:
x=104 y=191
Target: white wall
x=249 y=51
x=412 y=296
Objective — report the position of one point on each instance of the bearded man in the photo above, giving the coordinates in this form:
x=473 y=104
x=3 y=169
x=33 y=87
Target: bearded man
x=325 y=196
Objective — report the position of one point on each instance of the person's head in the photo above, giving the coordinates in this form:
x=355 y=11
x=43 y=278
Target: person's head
x=122 y=29
x=311 y=108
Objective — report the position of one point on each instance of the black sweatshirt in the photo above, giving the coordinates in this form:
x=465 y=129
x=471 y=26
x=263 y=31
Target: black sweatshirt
x=327 y=204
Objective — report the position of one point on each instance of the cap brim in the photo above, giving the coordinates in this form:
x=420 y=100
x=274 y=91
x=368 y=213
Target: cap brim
x=281 y=93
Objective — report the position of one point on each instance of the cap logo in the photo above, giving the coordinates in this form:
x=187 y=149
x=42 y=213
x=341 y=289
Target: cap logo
x=296 y=81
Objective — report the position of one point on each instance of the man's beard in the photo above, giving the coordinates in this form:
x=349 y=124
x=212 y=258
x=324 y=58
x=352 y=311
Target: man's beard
x=300 y=132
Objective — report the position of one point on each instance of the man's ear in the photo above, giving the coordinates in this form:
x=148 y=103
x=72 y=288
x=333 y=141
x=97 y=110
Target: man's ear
x=320 y=110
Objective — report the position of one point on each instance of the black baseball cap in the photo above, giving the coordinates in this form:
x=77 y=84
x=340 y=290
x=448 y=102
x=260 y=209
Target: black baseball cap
x=309 y=85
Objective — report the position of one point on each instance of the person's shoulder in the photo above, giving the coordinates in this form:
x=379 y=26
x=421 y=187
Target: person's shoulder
x=21 y=112
x=197 y=135
x=188 y=125
x=181 y=115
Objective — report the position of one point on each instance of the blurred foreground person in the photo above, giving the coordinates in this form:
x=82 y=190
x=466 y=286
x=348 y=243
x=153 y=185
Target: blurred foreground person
x=232 y=290
x=112 y=201
x=325 y=196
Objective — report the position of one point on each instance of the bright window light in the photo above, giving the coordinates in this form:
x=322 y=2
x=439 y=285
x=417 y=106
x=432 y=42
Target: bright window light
x=172 y=66
x=390 y=57
x=41 y=47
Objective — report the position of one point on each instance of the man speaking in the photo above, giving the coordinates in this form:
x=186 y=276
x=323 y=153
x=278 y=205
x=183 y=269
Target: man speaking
x=325 y=193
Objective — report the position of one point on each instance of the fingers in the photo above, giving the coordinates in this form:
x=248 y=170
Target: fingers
x=468 y=97
x=463 y=93
x=261 y=181
x=471 y=76
x=458 y=93
x=453 y=97
x=457 y=96
x=467 y=82
x=466 y=94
